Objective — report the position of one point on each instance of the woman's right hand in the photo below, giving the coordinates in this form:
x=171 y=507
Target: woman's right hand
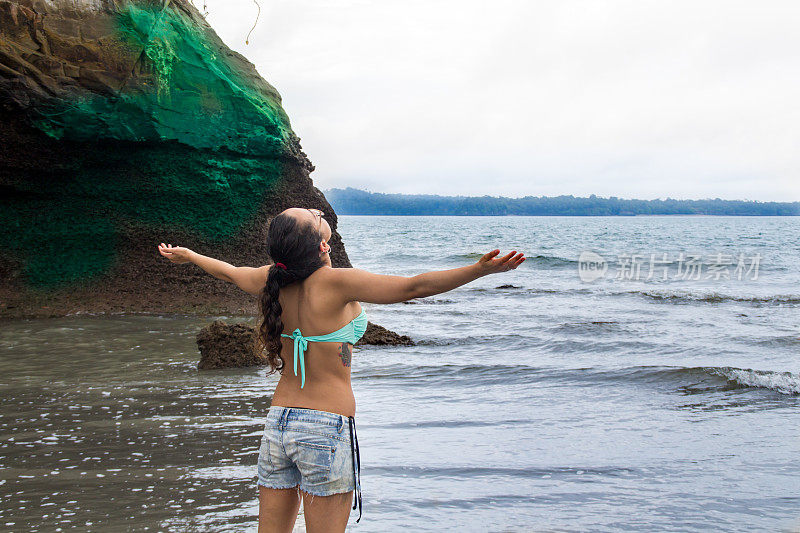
x=176 y=254
x=491 y=264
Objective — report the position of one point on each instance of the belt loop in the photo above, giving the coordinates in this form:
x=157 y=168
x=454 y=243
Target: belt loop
x=340 y=427
x=284 y=417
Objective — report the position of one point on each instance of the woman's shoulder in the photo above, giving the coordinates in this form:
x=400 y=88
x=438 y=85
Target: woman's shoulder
x=355 y=284
x=325 y=276
x=333 y=273
x=332 y=280
x=323 y=290
x=342 y=277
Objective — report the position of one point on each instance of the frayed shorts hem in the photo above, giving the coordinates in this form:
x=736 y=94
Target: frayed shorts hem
x=314 y=492
x=324 y=492
x=277 y=485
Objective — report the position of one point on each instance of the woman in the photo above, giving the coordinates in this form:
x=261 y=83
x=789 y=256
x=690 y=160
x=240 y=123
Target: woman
x=309 y=447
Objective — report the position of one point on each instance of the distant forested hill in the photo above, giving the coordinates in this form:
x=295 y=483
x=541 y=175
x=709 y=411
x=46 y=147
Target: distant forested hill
x=351 y=201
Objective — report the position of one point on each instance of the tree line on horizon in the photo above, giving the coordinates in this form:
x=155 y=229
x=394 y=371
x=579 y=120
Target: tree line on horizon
x=352 y=201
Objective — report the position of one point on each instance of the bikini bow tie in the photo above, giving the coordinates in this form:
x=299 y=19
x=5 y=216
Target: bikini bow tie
x=300 y=346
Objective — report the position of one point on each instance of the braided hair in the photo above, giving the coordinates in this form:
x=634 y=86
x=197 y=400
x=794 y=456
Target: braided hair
x=295 y=244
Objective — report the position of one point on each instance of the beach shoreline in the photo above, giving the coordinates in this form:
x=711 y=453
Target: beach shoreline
x=28 y=304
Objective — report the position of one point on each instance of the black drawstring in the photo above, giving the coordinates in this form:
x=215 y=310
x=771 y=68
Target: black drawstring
x=356 y=465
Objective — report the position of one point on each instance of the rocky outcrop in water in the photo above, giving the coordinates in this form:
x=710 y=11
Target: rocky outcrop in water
x=128 y=123
x=380 y=336
x=224 y=345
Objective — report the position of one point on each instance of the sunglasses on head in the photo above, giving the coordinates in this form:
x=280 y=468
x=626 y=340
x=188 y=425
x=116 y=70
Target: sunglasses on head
x=318 y=213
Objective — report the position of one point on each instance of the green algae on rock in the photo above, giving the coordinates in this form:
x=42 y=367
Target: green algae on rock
x=126 y=123
x=190 y=89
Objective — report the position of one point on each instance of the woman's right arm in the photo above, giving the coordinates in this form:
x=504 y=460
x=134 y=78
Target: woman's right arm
x=249 y=279
x=359 y=285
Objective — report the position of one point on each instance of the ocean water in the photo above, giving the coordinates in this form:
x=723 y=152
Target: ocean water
x=535 y=400
x=560 y=404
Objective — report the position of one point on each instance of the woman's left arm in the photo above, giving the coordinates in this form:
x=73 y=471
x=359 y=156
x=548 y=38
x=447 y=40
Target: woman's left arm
x=249 y=279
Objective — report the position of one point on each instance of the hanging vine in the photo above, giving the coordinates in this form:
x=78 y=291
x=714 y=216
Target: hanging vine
x=247 y=40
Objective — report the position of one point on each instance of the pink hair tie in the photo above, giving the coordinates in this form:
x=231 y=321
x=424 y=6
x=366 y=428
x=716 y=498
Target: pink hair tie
x=280 y=265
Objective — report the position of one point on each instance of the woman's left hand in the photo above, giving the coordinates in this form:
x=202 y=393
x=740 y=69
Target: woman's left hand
x=176 y=254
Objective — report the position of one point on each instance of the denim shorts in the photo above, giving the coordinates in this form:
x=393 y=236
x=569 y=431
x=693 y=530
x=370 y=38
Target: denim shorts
x=315 y=450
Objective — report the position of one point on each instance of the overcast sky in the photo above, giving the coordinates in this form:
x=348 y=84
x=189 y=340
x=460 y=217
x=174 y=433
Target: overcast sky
x=636 y=99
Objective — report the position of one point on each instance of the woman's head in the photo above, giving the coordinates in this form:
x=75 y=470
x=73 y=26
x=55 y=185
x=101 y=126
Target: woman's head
x=299 y=235
x=298 y=244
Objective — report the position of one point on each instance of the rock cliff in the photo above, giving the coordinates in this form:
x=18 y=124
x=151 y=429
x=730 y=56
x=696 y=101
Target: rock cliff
x=128 y=123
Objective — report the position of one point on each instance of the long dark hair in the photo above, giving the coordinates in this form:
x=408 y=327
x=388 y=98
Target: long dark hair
x=296 y=245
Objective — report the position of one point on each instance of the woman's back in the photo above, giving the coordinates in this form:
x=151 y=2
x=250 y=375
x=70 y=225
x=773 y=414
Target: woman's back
x=313 y=307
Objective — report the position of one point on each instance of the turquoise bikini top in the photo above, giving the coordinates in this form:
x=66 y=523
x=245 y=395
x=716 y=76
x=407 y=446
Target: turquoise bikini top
x=350 y=332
